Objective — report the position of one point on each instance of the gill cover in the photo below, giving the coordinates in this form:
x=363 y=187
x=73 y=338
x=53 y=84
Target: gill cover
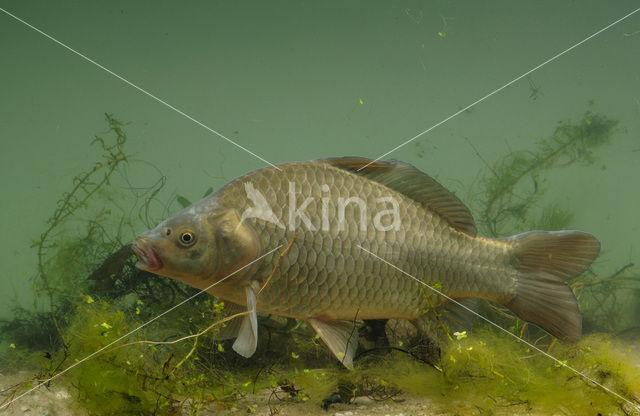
x=236 y=242
x=237 y=245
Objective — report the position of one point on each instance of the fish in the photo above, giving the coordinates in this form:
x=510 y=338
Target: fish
x=354 y=230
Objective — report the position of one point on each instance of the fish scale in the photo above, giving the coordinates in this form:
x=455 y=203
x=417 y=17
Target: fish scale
x=331 y=274
x=434 y=243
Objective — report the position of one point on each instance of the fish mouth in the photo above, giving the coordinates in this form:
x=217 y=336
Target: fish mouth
x=148 y=259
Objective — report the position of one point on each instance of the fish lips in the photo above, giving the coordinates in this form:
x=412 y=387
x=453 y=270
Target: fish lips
x=148 y=259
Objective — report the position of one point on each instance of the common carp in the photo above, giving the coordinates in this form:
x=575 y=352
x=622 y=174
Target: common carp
x=332 y=214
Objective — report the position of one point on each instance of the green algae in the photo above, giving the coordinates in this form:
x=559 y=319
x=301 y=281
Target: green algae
x=138 y=378
x=488 y=373
x=488 y=370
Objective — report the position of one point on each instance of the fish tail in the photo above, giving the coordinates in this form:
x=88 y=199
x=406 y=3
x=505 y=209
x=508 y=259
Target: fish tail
x=545 y=260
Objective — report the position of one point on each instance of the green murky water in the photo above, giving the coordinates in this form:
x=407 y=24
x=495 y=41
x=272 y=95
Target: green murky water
x=300 y=80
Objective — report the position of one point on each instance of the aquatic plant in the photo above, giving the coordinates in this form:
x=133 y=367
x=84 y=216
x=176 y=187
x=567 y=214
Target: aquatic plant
x=515 y=183
x=64 y=262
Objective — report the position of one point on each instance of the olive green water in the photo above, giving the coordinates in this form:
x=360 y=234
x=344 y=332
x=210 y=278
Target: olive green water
x=304 y=80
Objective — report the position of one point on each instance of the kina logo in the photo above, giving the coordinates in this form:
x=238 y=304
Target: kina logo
x=260 y=209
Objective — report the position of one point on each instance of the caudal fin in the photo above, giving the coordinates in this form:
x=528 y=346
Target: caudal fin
x=545 y=261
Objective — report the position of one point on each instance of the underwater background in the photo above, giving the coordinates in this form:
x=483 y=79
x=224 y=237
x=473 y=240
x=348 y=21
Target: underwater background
x=292 y=81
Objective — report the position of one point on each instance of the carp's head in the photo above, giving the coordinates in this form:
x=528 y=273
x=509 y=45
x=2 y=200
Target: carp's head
x=198 y=246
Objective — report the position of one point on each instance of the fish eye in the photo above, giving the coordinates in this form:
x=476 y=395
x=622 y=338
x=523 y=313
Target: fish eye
x=187 y=238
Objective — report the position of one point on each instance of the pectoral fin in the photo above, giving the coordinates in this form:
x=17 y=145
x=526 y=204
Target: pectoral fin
x=247 y=340
x=232 y=327
x=340 y=336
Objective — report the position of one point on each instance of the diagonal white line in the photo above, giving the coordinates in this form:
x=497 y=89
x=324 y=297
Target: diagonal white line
x=501 y=88
x=636 y=406
x=137 y=329
x=182 y=113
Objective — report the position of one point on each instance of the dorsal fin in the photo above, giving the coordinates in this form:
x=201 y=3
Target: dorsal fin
x=406 y=179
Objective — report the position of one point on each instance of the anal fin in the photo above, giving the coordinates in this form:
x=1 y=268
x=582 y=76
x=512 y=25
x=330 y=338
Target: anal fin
x=340 y=336
x=247 y=340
